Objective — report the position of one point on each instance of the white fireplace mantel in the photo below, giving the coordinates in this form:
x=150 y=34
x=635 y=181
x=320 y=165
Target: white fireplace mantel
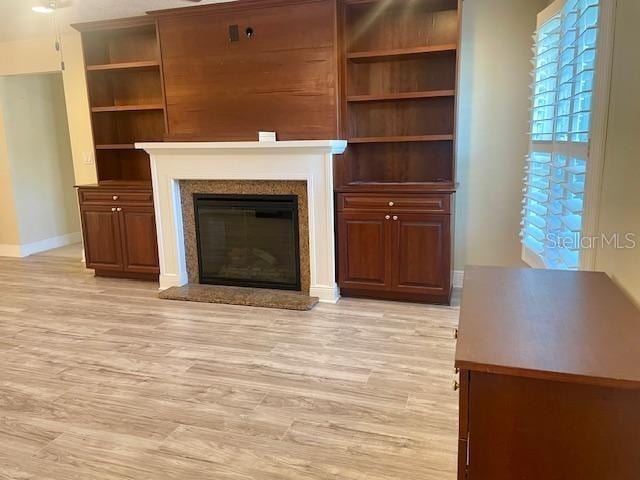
x=310 y=161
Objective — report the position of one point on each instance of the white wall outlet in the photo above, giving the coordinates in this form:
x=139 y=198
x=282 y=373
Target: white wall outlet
x=267 y=136
x=87 y=158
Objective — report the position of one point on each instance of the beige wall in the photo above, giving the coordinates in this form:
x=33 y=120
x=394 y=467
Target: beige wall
x=493 y=121
x=40 y=56
x=39 y=153
x=620 y=202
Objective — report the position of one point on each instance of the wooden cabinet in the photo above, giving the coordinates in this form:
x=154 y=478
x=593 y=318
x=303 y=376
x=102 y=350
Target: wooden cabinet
x=399 y=88
x=381 y=74
x=421 y=256
x=139 y=242
x=549 y=377
x=126 y=95
x=119 y=232
x=101 y=229
x=365 y=240
x=395 y=246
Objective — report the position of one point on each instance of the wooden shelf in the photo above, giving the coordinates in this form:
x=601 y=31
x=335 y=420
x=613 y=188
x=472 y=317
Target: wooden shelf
x=379 y=55
x=127 y=108
x=434 y=4
x=123 y=66
x=116 y=146
x=402 y=138
x=126 y=183
x=401 y=96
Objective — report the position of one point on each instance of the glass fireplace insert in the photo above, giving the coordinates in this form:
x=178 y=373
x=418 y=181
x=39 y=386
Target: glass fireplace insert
x=248 y=240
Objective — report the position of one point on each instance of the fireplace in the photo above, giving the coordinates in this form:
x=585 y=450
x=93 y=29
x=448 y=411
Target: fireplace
x=302 y=167
x=248 y=240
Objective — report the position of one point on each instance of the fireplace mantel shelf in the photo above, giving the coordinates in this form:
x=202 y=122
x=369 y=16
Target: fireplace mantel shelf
x=310 y=161
x=334 y=147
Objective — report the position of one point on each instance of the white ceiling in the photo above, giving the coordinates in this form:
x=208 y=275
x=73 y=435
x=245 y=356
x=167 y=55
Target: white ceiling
x=18 y=21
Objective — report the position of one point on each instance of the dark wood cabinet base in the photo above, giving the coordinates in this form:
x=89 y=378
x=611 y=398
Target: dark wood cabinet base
x=119 y=232
x=404 y=297
x=395 y=246
x=147 y=277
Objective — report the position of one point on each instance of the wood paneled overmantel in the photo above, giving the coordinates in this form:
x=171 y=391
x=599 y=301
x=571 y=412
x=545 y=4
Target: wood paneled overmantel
x=282 y=76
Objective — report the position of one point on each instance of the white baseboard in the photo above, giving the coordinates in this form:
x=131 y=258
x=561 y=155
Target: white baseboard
x=458 y=278
x=326 y=294
x=21 y=251
x=169 y=280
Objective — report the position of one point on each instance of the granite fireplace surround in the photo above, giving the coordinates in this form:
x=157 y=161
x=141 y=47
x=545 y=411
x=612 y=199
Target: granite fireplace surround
x=244 y=187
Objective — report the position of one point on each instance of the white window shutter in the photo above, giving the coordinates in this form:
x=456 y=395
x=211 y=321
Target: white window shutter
x=562 y=97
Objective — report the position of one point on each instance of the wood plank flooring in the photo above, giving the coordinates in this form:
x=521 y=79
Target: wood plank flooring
x=99 y=379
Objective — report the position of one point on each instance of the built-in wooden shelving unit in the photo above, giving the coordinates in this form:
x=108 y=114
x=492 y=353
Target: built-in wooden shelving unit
x=126 y=96
x=396 y=181
x=399 y=70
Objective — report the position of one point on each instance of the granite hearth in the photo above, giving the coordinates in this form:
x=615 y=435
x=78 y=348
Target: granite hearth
x=252 y=297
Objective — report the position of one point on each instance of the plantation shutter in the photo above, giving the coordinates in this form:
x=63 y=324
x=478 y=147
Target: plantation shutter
x=562 y=97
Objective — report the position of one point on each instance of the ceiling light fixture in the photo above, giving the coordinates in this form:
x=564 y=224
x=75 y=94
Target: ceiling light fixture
x=49 y=8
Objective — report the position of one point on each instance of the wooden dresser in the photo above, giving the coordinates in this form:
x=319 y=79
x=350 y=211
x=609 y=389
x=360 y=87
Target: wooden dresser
x=549 y=377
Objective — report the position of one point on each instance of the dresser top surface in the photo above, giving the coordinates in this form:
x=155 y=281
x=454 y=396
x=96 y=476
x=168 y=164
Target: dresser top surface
x=557 y=325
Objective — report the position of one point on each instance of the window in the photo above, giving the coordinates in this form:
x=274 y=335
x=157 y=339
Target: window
x=564 y=75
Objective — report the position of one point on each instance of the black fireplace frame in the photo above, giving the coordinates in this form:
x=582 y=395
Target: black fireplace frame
x=265 y=201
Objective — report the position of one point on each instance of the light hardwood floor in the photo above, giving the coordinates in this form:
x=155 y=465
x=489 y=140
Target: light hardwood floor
x=99 y=379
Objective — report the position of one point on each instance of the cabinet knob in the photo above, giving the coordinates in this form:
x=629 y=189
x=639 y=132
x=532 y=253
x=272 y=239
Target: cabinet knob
x=455 y=333
x=395 y=217
x=391 y=204
x=118 y=209
x=115 y=197
x=457 y=370
x=387 y=217
x=113 y=209
x=456 y=386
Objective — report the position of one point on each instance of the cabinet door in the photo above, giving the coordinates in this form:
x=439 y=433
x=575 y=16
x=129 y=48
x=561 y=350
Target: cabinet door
x=101 y=231
x=422 y=254
x=364 y=251
x=139 y=240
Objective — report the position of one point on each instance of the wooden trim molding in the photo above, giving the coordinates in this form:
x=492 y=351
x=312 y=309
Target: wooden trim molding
x=114 y=24
x=230 y=6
